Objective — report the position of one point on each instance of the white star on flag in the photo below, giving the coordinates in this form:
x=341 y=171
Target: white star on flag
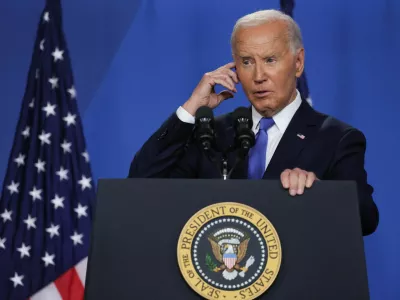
x=20 y=160
x=40 y=165
x=17 y=279
x=66 y=146
x=81 y=211
x=77 y=238
x=6 y=215
x=63 y=174
x=25 y=133
x=45 y=138
x=30 y=222
x=24 y=250
x=37 y=77
x=36 y=194
x=58 y=54
x=48 y=259
x=13 y=187
x=54 y=82
x=85 y=182
x=70 y=119
x=46 y=17
x=32 y=103
x=3 y=243
x=49 y=109
x=58 y=201
x=42 y=44
x=53 y=230
x=72 y=92
x=86 y=156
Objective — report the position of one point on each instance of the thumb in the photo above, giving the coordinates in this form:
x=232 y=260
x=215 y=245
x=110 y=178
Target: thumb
x=224 y=95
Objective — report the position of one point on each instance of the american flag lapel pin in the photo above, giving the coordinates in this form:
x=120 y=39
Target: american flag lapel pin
x=302 y=136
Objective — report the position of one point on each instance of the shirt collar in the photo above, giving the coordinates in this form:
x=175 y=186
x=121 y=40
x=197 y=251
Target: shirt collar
x=282 y=118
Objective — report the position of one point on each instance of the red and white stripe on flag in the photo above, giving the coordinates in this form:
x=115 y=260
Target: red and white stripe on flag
x=69 y=286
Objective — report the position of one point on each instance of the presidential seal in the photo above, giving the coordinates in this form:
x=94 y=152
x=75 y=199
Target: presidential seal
x=229 y=251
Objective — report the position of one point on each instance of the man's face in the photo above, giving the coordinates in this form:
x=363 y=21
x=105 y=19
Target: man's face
x=266 y=66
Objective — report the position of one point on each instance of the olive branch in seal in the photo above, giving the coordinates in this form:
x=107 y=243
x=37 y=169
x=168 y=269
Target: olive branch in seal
x=210 y=263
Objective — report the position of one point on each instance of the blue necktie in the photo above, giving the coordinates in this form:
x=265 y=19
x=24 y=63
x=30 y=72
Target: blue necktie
x=257 y=154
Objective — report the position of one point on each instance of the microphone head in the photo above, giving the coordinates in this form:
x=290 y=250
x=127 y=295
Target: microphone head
x=243 y=124
x=242 y=115
x=241 y=112
x=204 y=112
x=205 y=127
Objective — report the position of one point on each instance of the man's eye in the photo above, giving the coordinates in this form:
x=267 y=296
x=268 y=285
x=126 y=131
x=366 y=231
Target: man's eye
x=271 y=59
x=246 y=62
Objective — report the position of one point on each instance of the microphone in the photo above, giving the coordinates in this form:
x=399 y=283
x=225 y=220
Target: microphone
x=205 y=134
x=243 y=124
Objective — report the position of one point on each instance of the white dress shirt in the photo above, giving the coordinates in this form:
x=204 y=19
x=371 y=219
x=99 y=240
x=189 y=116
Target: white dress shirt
x=275 y=132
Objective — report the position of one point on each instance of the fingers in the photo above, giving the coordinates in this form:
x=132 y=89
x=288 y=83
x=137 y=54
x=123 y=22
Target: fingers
x=310 y=179
x=223 y=76
x=302 y=177
x=285 y=178
x=227 y=70
x=204 y=94
x=224 y=80
x=296 y=180
x=231 y=74
x=229 y=65
x=224 y=95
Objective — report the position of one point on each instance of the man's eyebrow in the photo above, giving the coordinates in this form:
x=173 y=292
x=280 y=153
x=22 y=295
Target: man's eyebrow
x=265 y=55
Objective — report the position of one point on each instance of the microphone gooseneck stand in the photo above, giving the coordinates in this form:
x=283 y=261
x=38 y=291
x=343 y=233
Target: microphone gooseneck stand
x=244 y=138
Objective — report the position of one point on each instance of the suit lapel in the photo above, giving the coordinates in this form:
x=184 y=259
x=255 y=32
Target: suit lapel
x=302 y=128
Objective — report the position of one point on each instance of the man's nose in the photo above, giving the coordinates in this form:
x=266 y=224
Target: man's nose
x=259 y=74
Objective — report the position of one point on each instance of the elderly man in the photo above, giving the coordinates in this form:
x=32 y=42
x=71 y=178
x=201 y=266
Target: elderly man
x=294 y=143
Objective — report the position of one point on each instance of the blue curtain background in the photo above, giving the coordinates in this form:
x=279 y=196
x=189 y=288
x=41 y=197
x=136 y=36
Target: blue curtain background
x=136 y=61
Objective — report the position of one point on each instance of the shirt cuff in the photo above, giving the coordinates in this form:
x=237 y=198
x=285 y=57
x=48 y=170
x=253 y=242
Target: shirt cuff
x=184 y=116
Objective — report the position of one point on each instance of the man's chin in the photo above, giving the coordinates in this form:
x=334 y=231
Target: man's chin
x=264 y=106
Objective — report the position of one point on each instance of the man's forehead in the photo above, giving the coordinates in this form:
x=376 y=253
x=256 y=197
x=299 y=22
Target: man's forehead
x=263 y=40
x=264 y=46
x=263 y=35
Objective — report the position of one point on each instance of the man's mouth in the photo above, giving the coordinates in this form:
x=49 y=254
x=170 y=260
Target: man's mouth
x=261 y=93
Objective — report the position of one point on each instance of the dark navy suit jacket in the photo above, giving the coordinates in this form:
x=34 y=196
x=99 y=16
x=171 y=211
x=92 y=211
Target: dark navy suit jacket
x=331 y=149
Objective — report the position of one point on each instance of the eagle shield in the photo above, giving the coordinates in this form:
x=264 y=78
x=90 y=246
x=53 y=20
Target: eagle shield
x=229 y=260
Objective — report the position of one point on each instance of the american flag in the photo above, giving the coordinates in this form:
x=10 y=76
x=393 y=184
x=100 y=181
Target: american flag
x=48 y=194
x=287 y=7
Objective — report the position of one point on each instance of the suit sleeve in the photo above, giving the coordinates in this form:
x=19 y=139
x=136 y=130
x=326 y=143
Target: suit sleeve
x=165 y=153
x=348 y=164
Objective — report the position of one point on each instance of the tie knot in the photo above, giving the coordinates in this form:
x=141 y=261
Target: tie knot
x=266 y=123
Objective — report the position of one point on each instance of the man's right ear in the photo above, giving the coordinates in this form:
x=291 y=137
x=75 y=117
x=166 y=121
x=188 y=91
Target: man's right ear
x=237 y=74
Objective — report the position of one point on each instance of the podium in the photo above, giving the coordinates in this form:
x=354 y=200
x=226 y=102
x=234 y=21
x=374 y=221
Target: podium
x=139 y=229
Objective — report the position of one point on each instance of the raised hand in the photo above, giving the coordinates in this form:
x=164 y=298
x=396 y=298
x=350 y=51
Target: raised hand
x=204 y=94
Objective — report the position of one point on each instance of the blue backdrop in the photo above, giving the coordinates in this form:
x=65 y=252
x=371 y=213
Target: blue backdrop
x=136 y=61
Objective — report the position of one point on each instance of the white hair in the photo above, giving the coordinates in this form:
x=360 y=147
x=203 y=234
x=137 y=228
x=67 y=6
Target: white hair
x=266 y=16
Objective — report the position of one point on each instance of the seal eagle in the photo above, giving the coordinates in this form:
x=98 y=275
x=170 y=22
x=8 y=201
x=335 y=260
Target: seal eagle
x=229 y=247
